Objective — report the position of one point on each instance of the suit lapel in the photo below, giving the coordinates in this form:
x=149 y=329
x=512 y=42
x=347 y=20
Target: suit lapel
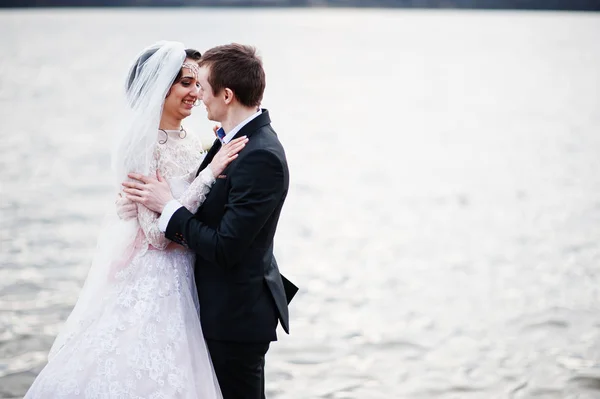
x=209 y=157
x=251 y=127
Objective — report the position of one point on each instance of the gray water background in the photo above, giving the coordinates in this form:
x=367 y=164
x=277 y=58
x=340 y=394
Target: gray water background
x=443 y=220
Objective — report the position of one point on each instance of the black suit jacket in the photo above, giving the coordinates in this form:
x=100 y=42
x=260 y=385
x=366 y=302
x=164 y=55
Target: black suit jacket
x=242 y=294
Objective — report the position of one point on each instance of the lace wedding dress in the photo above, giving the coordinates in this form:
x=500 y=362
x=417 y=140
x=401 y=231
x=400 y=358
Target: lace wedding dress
x=141 y=338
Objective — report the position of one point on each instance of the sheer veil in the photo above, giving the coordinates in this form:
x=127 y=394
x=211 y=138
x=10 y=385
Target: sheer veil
x=148 y=82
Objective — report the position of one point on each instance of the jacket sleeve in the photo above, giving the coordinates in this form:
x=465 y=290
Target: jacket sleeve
x=256 y=189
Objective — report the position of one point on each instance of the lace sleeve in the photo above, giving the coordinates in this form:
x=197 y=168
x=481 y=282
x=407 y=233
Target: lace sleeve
x=149 y=223
x=148 y=219
x=196 y=193
x=192 y=198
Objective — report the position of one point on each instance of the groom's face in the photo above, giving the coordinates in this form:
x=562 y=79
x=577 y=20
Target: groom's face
x=215 y=106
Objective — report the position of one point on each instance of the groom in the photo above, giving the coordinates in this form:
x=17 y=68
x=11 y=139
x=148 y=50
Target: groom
x=242 y=295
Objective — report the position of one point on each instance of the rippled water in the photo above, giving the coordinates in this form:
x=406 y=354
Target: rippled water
x=444 y=216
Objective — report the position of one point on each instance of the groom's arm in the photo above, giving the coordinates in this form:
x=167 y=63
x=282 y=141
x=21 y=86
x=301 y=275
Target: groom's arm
x=256 y=189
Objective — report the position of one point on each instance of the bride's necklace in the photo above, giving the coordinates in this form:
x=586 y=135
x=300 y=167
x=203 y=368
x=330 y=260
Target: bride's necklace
x=182 y=134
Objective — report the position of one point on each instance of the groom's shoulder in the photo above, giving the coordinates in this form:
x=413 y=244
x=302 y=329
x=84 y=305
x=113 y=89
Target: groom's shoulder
x=264 y=146
x=266 y=138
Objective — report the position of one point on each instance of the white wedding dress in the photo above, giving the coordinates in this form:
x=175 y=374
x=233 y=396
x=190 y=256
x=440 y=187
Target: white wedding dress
x=141 y=336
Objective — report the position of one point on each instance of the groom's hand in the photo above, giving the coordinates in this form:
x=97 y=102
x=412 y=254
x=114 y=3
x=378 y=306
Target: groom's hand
x=150 y=192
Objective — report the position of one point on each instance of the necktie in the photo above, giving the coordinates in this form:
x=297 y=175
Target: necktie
x=221 y=134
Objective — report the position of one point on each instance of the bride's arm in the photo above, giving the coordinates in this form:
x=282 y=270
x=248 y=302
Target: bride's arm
x=191 y=199
x=196 y=193
x=148 y=219
x=149 y=223
x=154 y=193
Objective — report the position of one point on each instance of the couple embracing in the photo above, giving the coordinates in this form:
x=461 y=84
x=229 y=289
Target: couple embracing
x=184 y=294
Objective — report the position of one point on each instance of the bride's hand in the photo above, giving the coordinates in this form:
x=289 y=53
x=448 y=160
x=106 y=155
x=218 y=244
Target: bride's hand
x=126 y=209
x=226 y=154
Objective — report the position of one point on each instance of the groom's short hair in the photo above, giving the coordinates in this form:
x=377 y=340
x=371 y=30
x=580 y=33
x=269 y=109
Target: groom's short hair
x=237 y=67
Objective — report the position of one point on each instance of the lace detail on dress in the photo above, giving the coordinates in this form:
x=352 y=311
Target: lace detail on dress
x=196 y=193
x=177 y=160
x=141 y=338
x=140 y=341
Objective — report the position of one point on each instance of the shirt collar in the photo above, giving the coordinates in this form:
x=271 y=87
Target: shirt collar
x=226 y=138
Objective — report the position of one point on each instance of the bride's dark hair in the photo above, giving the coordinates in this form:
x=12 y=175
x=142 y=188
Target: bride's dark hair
x=191 y=54
x=134 y=72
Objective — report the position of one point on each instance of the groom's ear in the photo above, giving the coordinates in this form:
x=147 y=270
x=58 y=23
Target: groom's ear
x=228 y=95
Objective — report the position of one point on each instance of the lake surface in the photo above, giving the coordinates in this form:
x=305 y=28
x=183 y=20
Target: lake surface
x=443 y=220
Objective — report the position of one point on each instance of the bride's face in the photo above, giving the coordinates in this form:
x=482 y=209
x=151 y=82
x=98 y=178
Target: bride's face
x=183 y=93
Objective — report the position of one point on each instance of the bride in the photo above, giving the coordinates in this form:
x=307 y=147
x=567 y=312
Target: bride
x=135 y=330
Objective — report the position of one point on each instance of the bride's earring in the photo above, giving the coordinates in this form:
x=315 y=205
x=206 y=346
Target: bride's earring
x=197 y=102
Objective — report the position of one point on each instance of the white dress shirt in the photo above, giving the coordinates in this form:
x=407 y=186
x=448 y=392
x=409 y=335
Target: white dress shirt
x=174 y=205
x=229 y=136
